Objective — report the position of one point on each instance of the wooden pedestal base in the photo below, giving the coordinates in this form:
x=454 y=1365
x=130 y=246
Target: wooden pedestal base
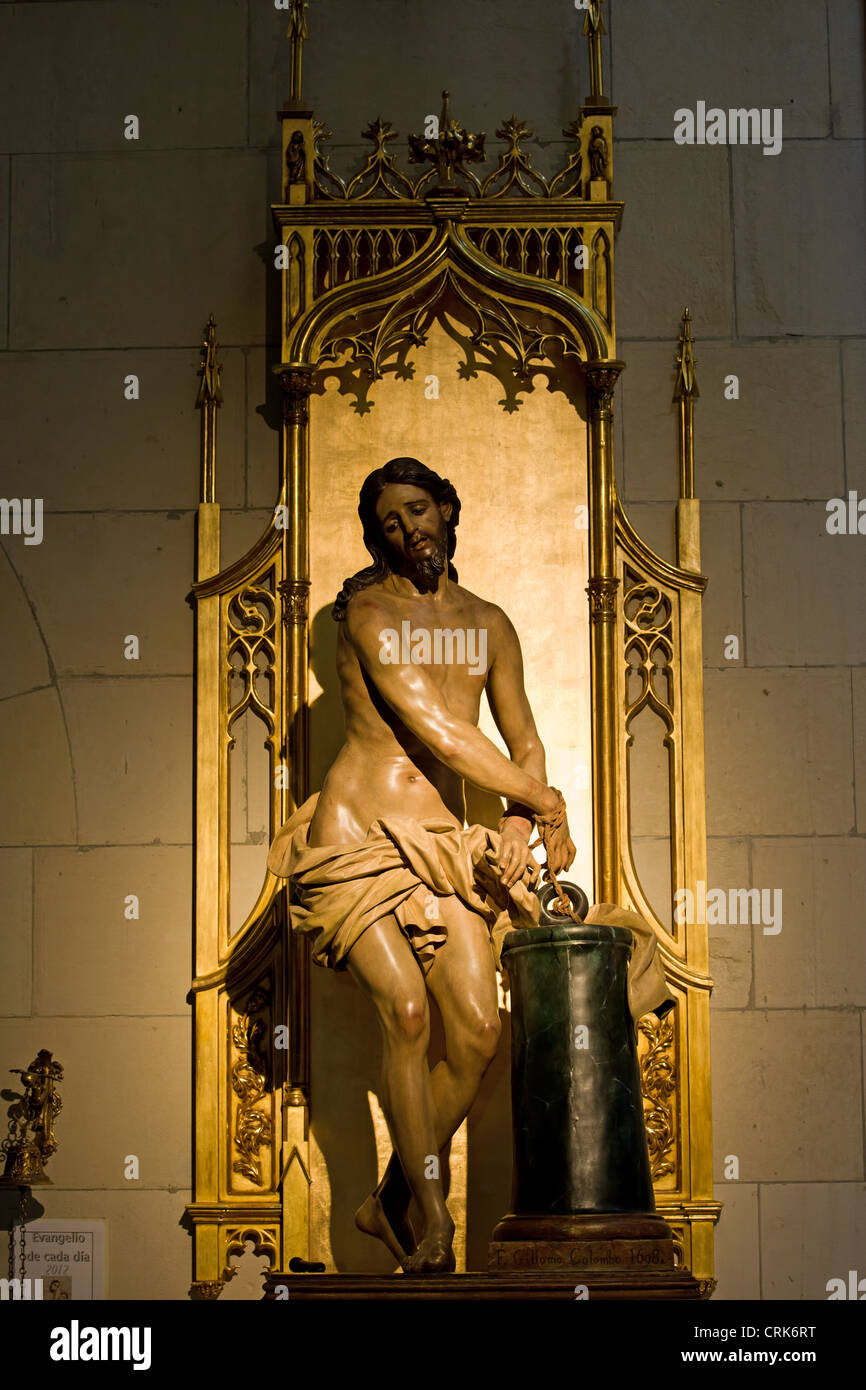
x=508 y=1286
x=602 y=1256
x=597 y=1250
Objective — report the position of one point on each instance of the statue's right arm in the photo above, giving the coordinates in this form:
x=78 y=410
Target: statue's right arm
x=418 y=703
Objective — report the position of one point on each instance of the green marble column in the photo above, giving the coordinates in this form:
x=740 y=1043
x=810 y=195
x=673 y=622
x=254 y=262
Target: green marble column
x=581 y=1162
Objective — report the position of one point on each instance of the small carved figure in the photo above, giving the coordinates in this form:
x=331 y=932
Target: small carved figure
x=31 y=1122
x=41 y=1102
x=296 y=160
x=597 y=153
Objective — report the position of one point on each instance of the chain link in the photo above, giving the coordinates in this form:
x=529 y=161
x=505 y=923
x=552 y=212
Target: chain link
x=17 y=1224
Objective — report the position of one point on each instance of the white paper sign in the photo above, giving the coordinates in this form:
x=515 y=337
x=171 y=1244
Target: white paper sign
x=68 y=1256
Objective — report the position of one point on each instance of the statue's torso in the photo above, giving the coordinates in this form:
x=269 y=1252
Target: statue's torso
x=382 y=767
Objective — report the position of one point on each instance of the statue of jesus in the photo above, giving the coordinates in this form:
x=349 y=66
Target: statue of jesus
x=383 y=868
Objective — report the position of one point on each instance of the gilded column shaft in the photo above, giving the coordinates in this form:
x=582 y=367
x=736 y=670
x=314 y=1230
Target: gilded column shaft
x=295 y=588
x=686 y=432
x=296 y=384
x=602 y=590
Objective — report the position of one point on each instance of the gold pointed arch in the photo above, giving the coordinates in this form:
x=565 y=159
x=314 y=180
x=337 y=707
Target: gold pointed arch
x=449 y=257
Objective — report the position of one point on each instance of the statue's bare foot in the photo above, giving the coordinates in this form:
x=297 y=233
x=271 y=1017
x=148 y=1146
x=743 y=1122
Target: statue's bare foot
x=388 y=1223
x=434 y=1254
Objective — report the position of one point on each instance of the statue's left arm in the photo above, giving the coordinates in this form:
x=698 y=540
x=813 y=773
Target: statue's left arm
x=512 y=714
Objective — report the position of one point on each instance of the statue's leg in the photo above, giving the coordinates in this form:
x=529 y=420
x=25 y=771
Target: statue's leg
x=462 y=980
x=385 y=968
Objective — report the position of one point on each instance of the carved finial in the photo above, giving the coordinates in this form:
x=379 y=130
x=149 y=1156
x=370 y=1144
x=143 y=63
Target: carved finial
x=379 y=172
x=445 y=114
x=687 y=382
x=209 y=392
x=685 y=393
x=209 y=397
x=593 y=28
x=514 y=166
x=327 y=183
x=296 y=33
x=448 y=150
x=568 y=180
x=513 y=130
x=381 y=132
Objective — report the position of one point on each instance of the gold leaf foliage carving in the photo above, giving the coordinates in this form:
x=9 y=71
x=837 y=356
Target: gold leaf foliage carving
x=202 y=1290
x=326 y=183
x=449 y=152
x=658 y=1083
x=249 y=1079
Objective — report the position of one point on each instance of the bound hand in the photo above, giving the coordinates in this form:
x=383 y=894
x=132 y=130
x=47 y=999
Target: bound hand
x=558 y=844
x=516 y=859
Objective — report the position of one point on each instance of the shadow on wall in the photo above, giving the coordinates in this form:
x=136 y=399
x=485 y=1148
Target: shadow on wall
x=327 y=726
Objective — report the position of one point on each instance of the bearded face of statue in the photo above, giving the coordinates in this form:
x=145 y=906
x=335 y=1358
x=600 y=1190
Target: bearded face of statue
x=415 y=531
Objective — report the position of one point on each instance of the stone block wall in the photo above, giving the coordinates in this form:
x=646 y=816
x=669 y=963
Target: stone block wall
x=767 y=251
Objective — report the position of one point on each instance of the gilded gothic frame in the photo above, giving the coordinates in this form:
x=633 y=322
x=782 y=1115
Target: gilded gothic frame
x=362 y=264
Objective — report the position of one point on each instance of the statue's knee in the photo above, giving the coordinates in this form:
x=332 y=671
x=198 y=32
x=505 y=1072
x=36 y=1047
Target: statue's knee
x=481 y=1037
x=408 y=1018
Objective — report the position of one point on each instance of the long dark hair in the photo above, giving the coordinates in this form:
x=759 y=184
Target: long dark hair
x=402 y=470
